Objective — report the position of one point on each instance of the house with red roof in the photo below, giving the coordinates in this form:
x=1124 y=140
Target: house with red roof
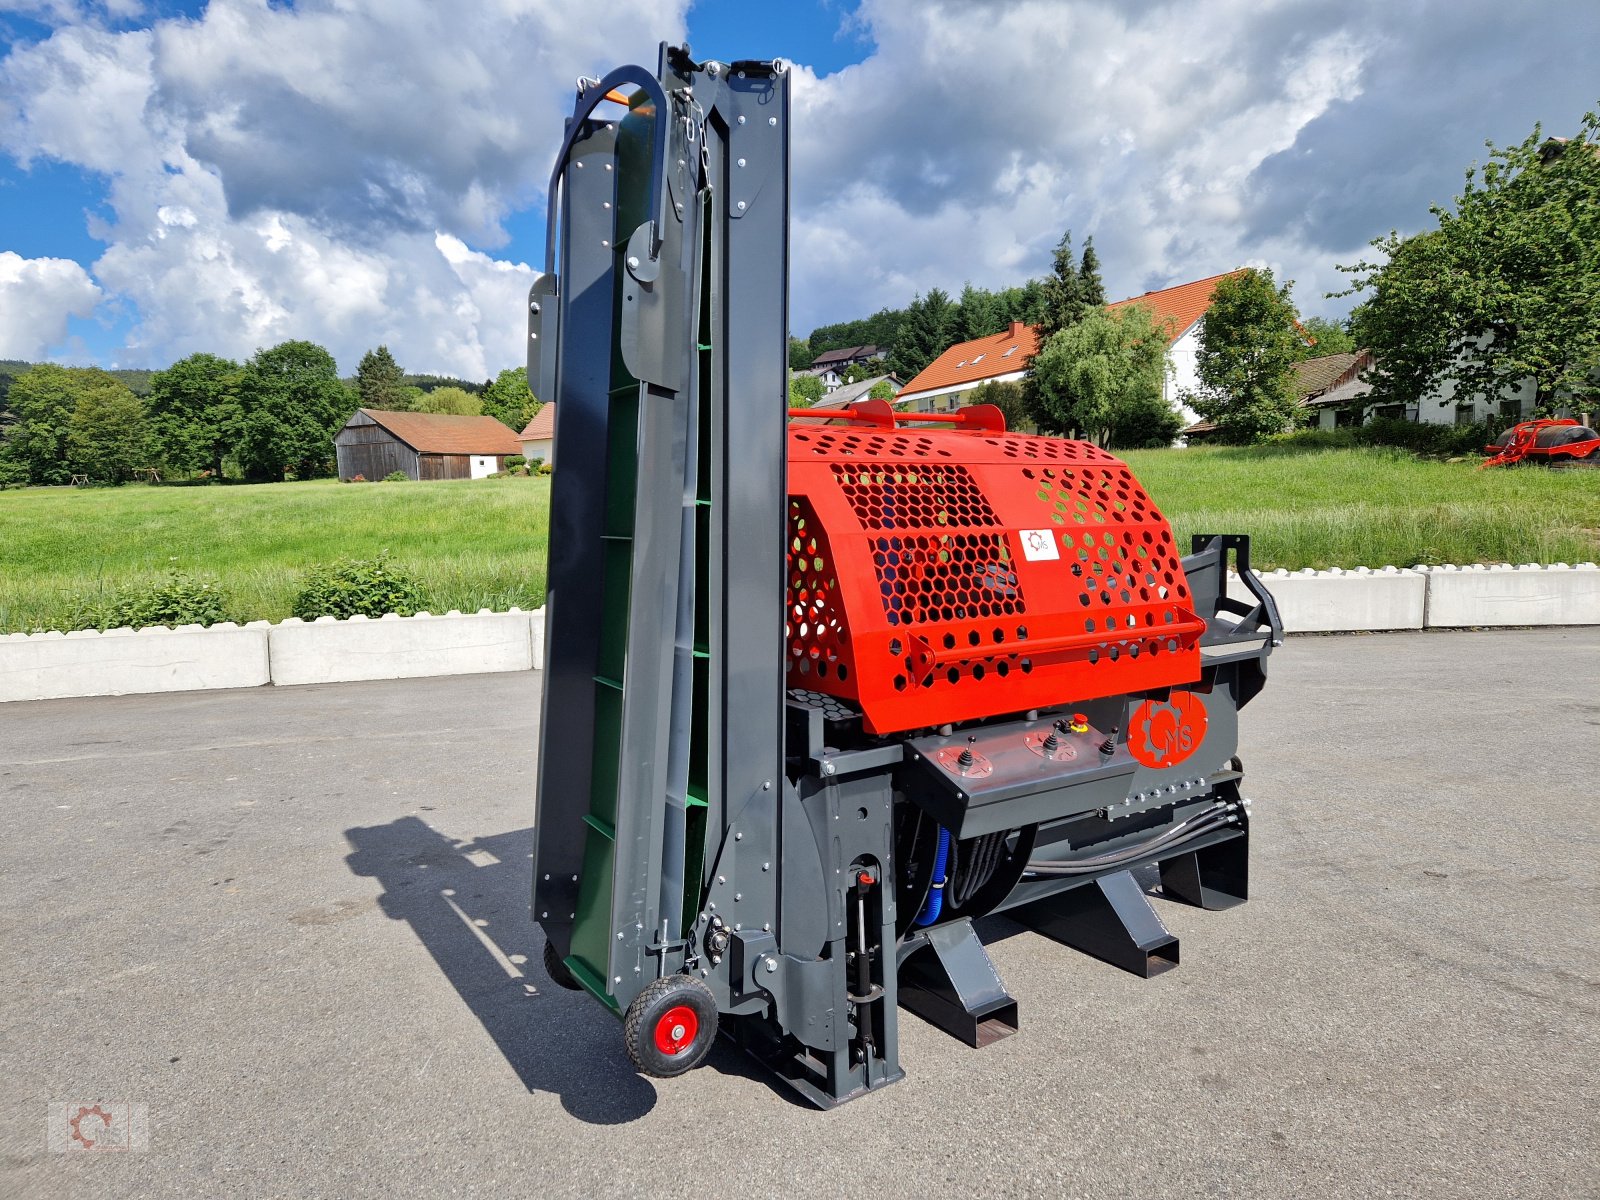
x=538 y=437
x=1003 y=357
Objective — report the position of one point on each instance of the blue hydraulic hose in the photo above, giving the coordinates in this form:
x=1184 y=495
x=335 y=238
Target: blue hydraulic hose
x=935 y=904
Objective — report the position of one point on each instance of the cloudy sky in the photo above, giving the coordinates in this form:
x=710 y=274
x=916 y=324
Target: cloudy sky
x=179 y=176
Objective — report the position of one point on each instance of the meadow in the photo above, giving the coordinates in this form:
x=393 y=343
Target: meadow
x=481 y=544
x=470 y=543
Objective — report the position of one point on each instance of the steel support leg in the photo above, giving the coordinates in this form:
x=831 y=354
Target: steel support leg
x=950 y=982
x=1212 y=877
x=1109 y=918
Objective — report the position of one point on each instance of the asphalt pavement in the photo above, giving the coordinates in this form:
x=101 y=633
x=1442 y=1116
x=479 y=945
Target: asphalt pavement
x=290 y=926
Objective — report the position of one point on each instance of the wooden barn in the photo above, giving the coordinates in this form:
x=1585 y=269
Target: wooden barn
x=375 y=444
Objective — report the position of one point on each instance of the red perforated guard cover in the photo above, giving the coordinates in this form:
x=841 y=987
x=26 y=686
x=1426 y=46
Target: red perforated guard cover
x=939 y=576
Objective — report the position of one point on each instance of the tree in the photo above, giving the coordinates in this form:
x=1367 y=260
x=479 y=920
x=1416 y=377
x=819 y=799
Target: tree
x=380 y=382
x=1064 y=302
x=804 y=390
x=1007 y=396
x=509 y=400
x=1323 y=337
x=1145 y=422
x=1503 y=290
x=193 y=411
x=1248 y=345
x=41 y=402
x=452 y=400
x=1091 y=289
x=925 y=334
x=882 y=390
x=292 y=403
x=978 y=314
x=800 y=354
x=106 y=432
x=1099 y=372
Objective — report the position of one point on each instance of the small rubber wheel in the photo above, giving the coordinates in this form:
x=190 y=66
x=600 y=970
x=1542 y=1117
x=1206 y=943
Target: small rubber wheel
x=670 y=1026
x=557 y=970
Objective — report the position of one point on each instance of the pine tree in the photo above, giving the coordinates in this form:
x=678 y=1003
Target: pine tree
x=380 y=381
x=1091 y=289
x=1063 y=293
x=925 y=334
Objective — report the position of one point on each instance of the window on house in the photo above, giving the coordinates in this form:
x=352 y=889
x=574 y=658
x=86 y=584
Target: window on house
x=977 y=360
x=1511 y=408
x=962 y=363
x=1010 y=350
x=1343 y=417
x=1465 y=413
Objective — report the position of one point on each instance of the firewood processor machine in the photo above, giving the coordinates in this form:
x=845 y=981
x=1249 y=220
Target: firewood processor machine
x=796 y=740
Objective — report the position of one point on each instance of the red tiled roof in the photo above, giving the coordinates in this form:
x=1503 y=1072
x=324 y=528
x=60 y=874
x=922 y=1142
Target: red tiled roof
x=1178 y=307
x=977 y=360
x=984 y=358
x=443 y=433
x=543 y=426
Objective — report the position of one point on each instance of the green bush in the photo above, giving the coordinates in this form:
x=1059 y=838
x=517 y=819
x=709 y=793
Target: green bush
x=513 y=461
x=535 y=462
x=397 y=477
x=1420 y=438
x=180 y=599
x=546 y=468
x=357 y=586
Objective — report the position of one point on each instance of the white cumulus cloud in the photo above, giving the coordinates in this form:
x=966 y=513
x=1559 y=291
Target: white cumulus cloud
x=37 y=295
x=318 y=171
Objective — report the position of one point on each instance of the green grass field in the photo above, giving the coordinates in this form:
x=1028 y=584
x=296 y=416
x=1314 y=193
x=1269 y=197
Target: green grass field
x=472 y=543
x=481 y=544
x=1373 y=507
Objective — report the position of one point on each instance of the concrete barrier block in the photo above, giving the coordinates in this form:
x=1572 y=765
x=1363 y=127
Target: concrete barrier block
x=332 y=651
x=1459 y=597
x=1337 y=600
x=537 y=618
x=50 y=666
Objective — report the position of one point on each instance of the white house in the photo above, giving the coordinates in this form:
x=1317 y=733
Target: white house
x=539 y=438
x=1003 y=357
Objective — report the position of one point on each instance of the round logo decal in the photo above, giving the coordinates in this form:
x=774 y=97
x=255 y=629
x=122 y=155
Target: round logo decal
x=1163 y=735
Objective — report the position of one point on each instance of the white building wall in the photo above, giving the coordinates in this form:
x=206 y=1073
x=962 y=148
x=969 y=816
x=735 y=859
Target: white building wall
x=483 y=465
x=1184 y=357
x=544 y=448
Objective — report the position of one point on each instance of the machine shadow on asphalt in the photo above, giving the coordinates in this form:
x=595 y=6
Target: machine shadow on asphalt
x=442 y=889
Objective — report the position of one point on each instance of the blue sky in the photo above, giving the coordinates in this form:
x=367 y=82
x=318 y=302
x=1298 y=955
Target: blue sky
x=221 y=176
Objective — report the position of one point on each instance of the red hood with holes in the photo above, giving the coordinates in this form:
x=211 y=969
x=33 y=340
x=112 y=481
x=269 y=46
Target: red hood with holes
x=946 y=575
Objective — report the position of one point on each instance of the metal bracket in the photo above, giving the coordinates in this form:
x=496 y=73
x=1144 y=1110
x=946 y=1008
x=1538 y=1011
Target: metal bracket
x=949 y=981
x=1108 y=918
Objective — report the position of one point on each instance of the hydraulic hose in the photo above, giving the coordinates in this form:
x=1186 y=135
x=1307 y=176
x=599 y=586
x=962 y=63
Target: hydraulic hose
x=1195 y=826
x=935 y=903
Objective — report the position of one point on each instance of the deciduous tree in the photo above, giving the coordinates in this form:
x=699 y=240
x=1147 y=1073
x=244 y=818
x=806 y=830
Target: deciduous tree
x=508 y=399
x=193 y=411
x=292 y=403
x=453 y=400
x=1503 y=290
x=1099 y=372
x=106 y=431
x=1248 y=345
x=41 y=400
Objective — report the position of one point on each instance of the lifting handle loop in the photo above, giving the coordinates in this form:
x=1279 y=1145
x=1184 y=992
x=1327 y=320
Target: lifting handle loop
x=592 y=98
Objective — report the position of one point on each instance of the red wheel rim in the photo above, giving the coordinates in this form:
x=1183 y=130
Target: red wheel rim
x=675 y=1031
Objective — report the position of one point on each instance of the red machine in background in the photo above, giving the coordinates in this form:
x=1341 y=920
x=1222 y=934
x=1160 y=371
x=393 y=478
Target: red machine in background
x=1547 y=440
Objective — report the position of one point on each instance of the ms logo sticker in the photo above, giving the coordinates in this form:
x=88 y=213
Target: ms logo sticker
x=1163 y=735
